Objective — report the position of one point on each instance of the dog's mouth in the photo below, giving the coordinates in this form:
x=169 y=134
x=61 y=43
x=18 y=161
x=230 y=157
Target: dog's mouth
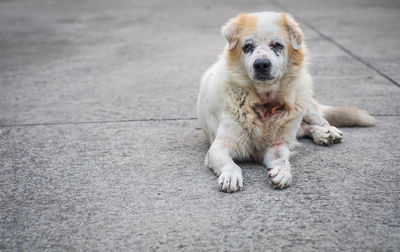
x=263 y=76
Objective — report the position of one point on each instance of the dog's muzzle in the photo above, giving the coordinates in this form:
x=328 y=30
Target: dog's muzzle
x=262 y=69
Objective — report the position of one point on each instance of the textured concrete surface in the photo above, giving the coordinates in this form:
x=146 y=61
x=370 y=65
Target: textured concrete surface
x=99 y=148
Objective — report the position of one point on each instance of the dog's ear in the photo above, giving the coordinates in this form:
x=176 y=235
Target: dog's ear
x=230 y=32
x=238 y=27
x=294 y=31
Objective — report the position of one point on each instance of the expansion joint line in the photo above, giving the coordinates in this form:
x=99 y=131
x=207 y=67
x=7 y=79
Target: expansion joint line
x=337 y=44
x=99 y=122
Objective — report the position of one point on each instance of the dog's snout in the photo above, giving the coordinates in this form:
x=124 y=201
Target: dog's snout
x=262 y=69
x=262 y=65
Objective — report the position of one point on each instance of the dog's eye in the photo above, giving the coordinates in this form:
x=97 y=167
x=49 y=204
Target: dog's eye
x=247 y=48
x=277 y=47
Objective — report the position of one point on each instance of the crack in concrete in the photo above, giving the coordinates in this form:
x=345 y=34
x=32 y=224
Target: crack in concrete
x=128 y=120
x=383 y=115
x=98 y=122
x=337 y=44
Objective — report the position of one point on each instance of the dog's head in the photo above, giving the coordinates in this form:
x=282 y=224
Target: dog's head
x=266 y=45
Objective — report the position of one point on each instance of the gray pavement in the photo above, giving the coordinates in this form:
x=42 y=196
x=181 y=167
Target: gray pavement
x=100 y=149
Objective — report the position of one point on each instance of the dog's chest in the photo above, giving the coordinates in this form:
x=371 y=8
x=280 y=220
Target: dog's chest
x=258 y=114
x=264 y=119
x=266 y=111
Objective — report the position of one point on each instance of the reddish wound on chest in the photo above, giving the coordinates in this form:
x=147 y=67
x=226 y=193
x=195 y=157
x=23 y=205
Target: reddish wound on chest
x=266 y=110
x=267 y=106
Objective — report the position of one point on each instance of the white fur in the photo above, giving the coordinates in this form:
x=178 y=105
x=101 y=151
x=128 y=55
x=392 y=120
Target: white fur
x=227 y=103
x=263 y=35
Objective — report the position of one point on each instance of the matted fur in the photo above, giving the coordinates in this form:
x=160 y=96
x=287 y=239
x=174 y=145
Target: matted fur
x=248 y=119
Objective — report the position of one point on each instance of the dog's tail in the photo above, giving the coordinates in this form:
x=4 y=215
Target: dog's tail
x=347 y=116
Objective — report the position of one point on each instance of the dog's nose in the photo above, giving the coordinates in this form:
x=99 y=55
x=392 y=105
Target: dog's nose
x=262 y=65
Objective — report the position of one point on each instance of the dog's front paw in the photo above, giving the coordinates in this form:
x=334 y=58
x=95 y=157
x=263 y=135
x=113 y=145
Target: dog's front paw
x=279 y=174
x=336 y=133
x=326 y=135
x=231 y=179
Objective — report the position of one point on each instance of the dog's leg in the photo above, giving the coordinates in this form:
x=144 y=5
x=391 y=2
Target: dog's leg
x=318 y=128
x=322 y=135
x=219 y=159
x=276 y=159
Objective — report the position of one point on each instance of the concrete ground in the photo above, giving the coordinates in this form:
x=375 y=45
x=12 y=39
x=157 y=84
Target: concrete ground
x=100 y=148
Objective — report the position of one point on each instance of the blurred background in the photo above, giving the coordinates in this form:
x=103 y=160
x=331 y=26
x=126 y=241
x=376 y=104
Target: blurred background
x=100 y=148
x=94 y=60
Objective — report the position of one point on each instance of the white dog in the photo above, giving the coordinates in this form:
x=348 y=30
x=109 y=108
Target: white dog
x=257 y=98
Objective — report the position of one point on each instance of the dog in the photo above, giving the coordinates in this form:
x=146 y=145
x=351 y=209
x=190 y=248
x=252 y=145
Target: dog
x=257 y=99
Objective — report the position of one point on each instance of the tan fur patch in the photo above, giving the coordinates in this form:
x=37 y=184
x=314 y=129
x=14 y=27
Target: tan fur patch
x=296 y=57
x=244 y=25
